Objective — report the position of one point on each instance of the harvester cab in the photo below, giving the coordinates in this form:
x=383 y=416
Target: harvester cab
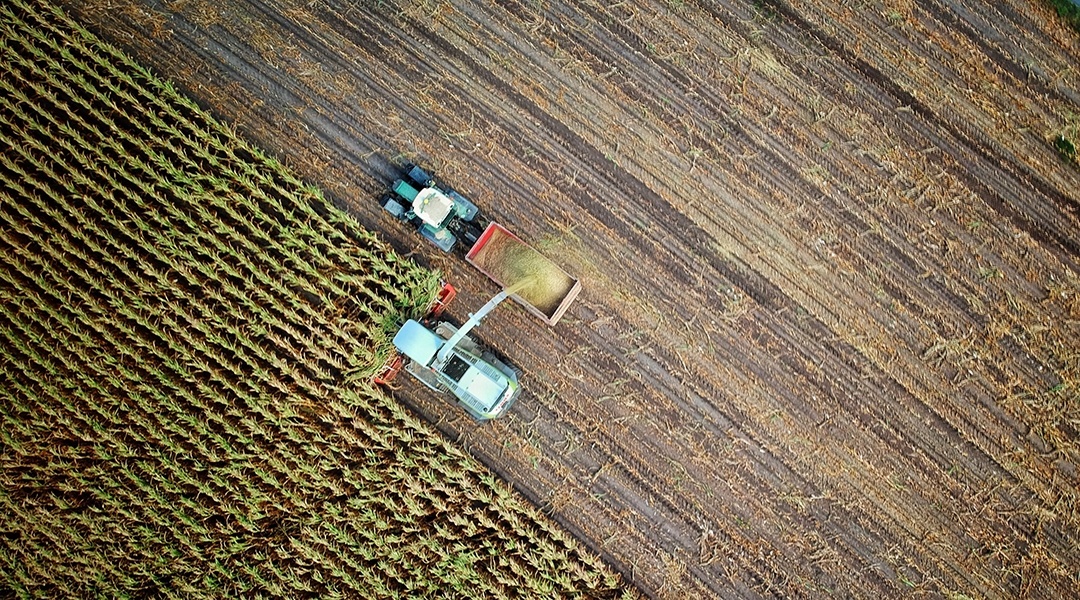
x=447 y=359
x=441 y=216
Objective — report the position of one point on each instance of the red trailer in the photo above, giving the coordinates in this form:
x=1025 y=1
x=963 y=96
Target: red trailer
x=543 y=288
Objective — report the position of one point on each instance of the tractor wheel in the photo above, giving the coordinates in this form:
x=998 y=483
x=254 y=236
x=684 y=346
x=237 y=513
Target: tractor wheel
x=517 y=371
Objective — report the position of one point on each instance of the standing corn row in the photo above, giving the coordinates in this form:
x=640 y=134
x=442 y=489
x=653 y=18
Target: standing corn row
x=186 y=332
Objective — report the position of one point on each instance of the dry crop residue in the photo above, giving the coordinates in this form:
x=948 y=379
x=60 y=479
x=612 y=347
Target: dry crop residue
x=827 y=343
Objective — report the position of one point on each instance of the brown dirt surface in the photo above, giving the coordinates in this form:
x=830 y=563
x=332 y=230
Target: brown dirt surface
x=827 y=344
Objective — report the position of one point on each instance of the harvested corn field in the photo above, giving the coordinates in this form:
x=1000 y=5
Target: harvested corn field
x=827 y=343
x=187 y=335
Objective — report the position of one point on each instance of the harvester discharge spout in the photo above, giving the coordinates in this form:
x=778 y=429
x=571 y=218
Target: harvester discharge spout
x=474 y=320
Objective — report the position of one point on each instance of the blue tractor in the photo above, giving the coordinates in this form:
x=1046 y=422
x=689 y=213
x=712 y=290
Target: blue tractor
x=441 y=216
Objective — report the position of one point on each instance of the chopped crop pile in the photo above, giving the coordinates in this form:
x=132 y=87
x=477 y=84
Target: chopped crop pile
x=525 y=271
x=186 y=336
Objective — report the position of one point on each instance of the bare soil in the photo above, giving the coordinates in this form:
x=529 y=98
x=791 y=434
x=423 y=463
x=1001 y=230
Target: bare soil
x=827 y=343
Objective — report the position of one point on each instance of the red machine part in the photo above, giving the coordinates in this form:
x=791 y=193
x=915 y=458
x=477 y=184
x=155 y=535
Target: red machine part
x=390 y=369
x=443 y=297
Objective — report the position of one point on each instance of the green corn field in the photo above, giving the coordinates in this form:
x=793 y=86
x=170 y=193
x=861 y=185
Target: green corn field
x=187 y=335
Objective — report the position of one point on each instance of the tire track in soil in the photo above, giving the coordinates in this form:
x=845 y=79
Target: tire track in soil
x=1006 y=166
x=955 y=302
x=1048 y=230
x=794 y=342
x=949 y=15
x=781 y=168
x=903 y=259
x=990 y=449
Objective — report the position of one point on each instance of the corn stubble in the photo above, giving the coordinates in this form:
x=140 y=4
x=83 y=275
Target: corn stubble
x=187 y=333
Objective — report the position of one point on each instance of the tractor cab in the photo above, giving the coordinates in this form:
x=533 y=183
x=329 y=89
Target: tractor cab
x=433 y=207
x=442 y=216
